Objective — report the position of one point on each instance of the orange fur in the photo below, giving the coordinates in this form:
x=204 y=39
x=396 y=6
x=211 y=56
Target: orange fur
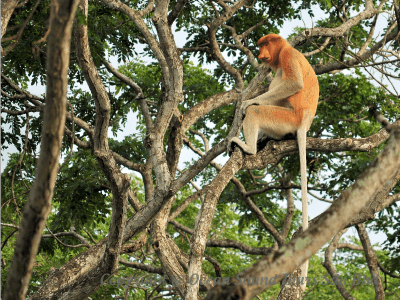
x=295 y=67
x=289 y=106
x=292 y=95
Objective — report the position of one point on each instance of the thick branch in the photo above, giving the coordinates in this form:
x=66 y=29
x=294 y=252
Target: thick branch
x=350 y=202
x=276 y=149
x=7 y=9
x=204 y=218
x=328 y=264
x=136 y=18
x=176 y=11
x=38 y=205
x=369 y=12
x=372 y=261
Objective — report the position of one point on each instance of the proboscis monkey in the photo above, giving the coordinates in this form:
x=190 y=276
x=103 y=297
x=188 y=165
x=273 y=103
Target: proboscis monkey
x=288 y=107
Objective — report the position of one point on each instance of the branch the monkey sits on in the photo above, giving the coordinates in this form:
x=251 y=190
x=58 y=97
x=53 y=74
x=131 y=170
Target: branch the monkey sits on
x=288 y=107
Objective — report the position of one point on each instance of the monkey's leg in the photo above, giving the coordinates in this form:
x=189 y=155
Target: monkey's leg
x=250 y=147
x=275 y=122
x=269 y=133
x=250 y=132
x=263 y=140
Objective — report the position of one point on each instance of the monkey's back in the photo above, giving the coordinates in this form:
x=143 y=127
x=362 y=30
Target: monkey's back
x=307 y=98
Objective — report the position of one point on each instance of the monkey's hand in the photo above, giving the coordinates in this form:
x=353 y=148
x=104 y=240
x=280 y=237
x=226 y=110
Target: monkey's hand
x=246 y=104
x=232 y=144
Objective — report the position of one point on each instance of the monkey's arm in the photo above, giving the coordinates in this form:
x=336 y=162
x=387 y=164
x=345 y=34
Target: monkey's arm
x=274 y=96
x=289 y=82
x=283 y=91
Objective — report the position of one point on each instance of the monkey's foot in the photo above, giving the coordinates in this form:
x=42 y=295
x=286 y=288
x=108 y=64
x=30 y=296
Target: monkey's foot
x=262 y=142
x=242 y=111
x=290 y=136
x=237 y=142
x=231 y=146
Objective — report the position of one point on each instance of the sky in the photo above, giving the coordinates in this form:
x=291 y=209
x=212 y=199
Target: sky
x=316 y=207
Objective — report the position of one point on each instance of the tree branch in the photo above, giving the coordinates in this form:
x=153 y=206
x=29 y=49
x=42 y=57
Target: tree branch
x=38 y=205
x=372 y=261
x=328 y=264
x=350 y=202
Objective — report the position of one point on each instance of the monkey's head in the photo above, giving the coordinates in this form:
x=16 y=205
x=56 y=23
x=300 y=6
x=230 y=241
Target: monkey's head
x=270 y=47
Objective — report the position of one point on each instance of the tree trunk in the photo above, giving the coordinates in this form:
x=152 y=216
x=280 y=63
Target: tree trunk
x=38 y=206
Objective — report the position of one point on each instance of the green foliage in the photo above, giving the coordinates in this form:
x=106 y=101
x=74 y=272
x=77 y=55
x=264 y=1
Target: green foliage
x=82 y=197
x=85 y=202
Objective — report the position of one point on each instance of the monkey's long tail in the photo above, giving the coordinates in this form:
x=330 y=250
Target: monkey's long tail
x=301 y=140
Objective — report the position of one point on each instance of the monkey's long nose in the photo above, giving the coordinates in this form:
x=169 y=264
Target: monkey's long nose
x=263 y=57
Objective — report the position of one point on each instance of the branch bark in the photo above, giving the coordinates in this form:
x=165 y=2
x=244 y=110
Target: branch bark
x=38 y=206
x=372 y=261
x=350 y=202
x=276 y=149
x=7 y=9
x=204 y=218
x=328 y=264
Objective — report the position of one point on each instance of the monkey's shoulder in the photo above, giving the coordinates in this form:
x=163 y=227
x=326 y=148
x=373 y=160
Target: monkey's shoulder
x=290 y=55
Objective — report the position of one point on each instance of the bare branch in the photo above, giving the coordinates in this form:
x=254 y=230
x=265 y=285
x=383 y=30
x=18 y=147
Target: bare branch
x=136 y=18
x=140 y=266
x=322 y=47
x=216 y=52
x=350 y=202
x=238 y=245
x=328 y=264
x=381 y=119
x=38 y=205
x=274 y=149
x=354 y=61
x=15 y=87
x=173 y=15
x=139 y=93
x=204 y=218
x=7 y=9
x=372 y=261
x=241 y=47
x=387 y=272
x=205 y=140
x=369 y=12
x=16 y=37
x=65 y=245
x=349 y=246
x=10 y=225
x=245 y=196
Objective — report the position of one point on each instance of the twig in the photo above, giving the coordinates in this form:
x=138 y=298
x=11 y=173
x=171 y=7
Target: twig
x=17 y=36
x=381 y=119
x=72 y=139
x=66 y=245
